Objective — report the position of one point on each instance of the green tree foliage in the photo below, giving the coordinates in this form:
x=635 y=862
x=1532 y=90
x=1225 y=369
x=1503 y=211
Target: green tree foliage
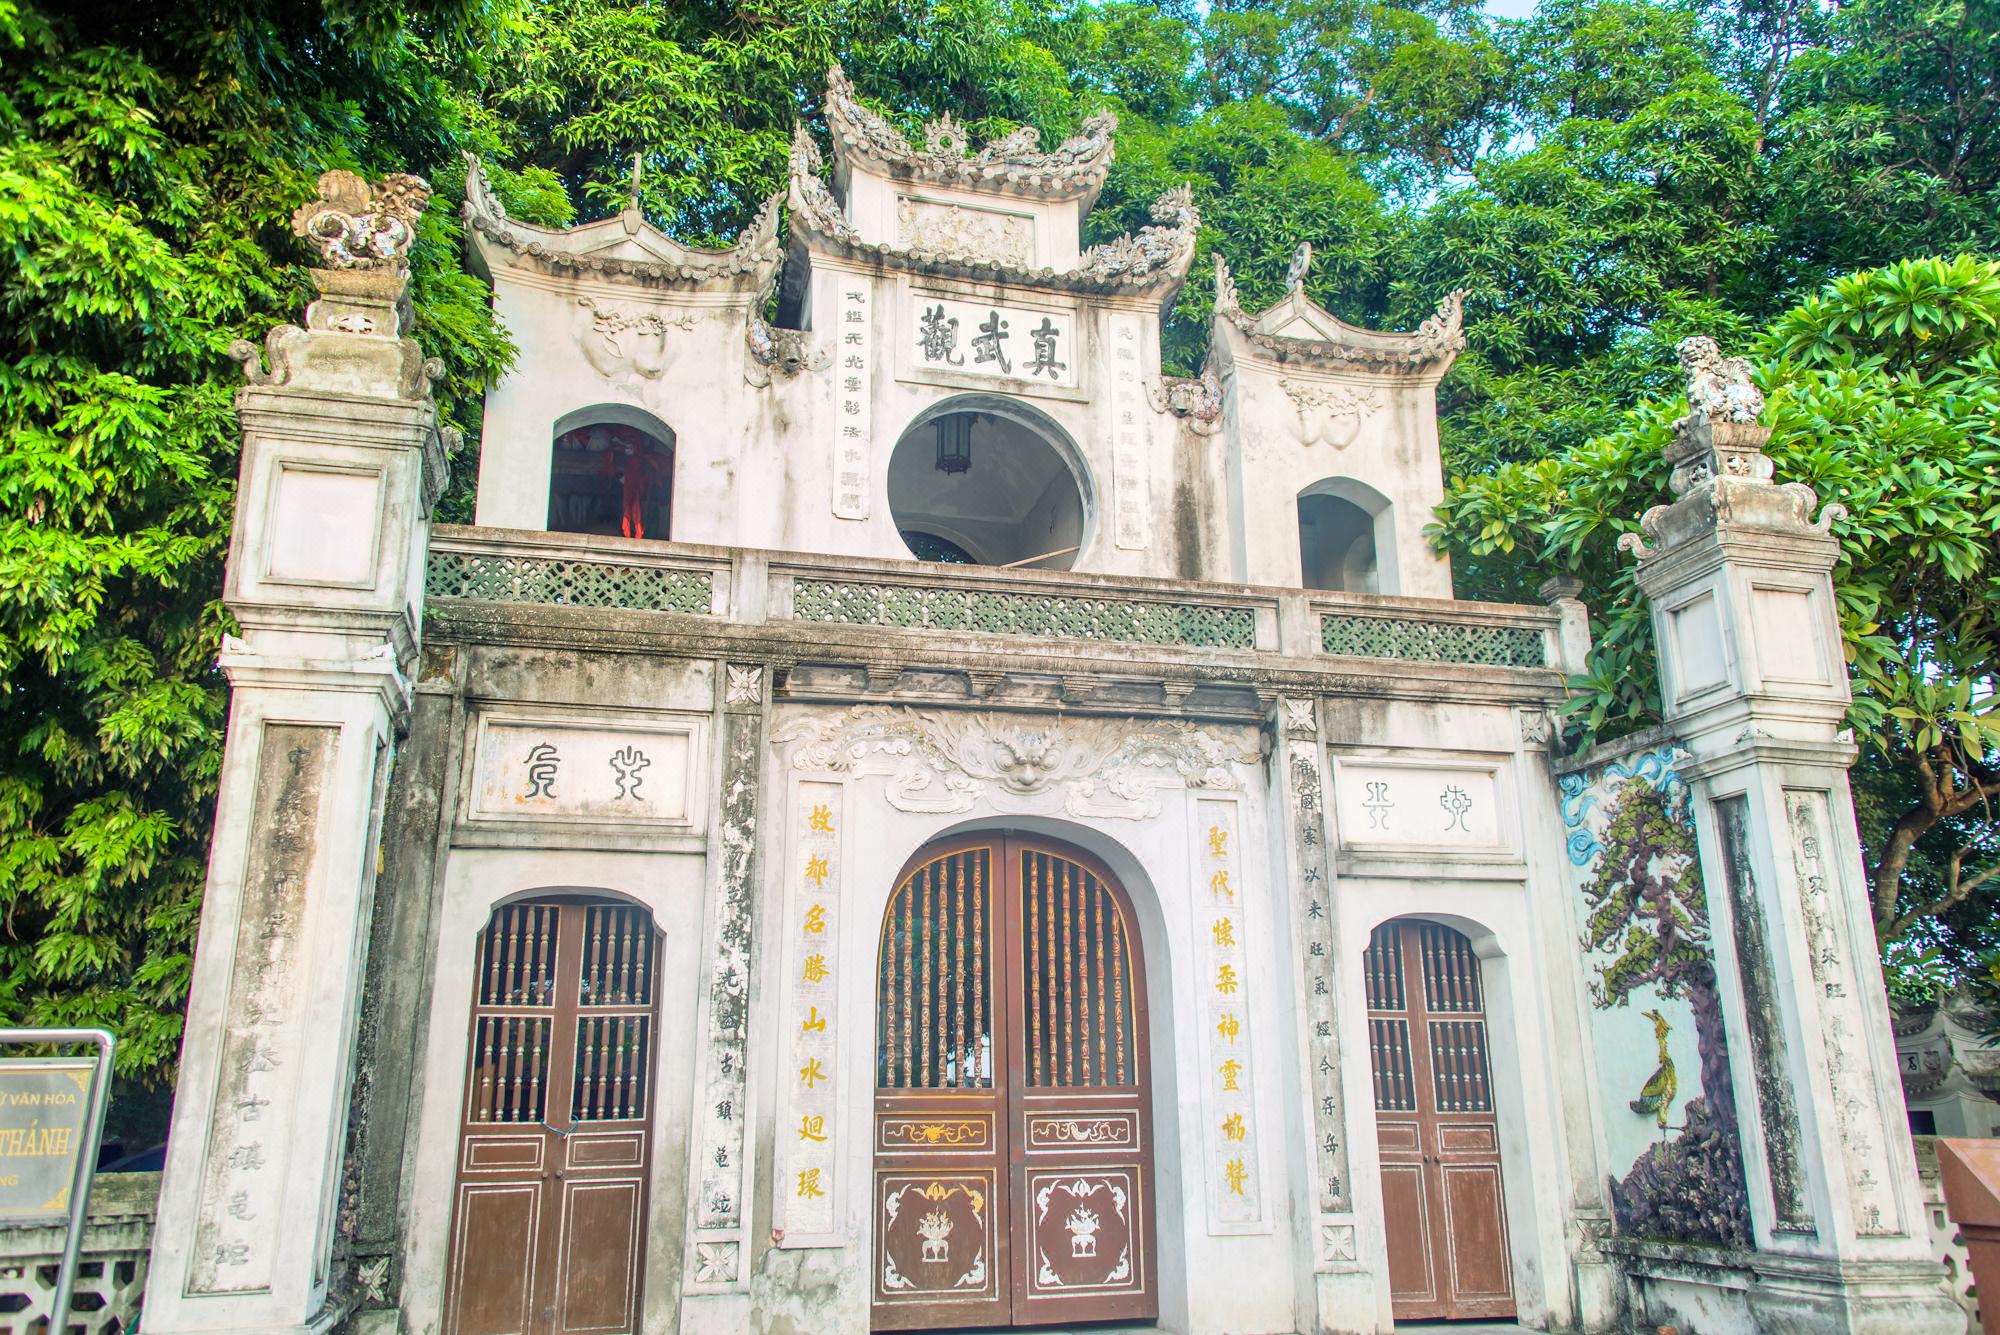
x=1604 y=178
x=149 y=164
x=1884 y=395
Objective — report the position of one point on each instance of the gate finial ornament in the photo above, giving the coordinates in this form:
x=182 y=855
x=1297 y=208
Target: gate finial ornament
x=354 y=225
x=1302 y=260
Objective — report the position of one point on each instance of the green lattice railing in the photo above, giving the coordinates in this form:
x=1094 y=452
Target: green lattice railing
x=542 y=579
x=1432 y=641
x=1197 y=625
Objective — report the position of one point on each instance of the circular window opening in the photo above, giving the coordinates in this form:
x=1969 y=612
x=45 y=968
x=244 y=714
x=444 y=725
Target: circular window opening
x=986 y=488
x=612 y=479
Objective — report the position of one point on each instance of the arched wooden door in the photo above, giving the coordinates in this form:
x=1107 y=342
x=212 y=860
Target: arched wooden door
x=1442 y=1199
x=549 y=1212
x=1013 y=1141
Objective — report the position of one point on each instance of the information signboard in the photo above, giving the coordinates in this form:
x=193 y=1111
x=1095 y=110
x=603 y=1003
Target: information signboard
x=44 y=1108
x=51 y=1116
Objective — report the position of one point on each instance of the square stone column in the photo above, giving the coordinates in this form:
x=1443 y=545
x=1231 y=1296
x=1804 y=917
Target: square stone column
x=1738 y=572
x=342 y=462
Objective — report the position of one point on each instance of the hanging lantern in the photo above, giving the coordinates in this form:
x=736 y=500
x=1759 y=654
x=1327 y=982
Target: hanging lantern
x=954 y=443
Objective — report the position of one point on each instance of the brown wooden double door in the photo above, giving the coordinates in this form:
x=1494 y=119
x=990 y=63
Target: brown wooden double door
x=1442 y=1202
x=548 y=1219
x=1012 y=1136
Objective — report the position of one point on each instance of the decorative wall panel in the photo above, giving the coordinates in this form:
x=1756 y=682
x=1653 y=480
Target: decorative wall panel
x=1221 y=901
x=854 y=398
x=641 y=772
x=244 y=1167
x=808 y=1142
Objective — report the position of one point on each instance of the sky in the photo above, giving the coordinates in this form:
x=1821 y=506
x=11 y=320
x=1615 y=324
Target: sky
x=1510 y=9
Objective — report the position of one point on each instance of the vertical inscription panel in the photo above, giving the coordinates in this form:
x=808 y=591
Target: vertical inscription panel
x=854 y=395
x=1131 y=469
x=807 y=1144
x=1221 y=931
x=1857 y=1102
x=1313 y=893
x=1776 y=1107
x=243 y=1174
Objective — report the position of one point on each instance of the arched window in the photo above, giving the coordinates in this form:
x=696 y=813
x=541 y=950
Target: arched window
x=1346 y=538
x=612 y=473
x=983 y=480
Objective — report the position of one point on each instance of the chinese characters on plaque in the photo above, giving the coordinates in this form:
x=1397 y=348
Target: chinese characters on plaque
x=853 y=400
x=532 y=771
x=1871 y=1200
x=983 y=339
x=1417 y=806
x=1131 y=475
x=1223 y=983
x=805 y=1133
x=1322 y=1037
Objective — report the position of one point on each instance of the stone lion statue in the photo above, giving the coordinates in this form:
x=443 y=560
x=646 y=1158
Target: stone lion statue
x=1718 y=387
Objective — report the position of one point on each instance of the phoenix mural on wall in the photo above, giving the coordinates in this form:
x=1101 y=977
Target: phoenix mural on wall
x=1646 y=939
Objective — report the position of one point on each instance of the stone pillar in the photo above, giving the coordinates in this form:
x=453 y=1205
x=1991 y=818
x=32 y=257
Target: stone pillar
x=1340 y=1259
x=342 y=461
x=1737 y=570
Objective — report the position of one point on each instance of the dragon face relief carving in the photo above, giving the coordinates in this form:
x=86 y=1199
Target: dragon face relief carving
x=955 y=230
x=616 y=341
x=1329 y=414
x=945 y=762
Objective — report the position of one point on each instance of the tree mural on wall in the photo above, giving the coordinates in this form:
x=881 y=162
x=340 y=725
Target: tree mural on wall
x=1648 y=912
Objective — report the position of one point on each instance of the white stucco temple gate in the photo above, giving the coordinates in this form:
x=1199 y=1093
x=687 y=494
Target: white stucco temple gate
x=899 y=814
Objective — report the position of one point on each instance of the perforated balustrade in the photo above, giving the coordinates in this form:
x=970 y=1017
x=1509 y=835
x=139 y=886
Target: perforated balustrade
x=1426 y=641
x=1129 y=621
x=537 y=579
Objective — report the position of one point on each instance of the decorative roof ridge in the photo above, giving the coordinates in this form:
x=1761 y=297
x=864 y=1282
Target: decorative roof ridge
x=1149 y=260
x=1440 y=337
x=564 y=250
x=1152 y=259
x=1074 y=169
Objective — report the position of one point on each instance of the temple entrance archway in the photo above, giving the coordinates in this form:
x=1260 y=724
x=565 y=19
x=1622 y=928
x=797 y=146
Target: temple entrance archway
x=549 y=1206
x=1437 y=1129
x=1013 y=1180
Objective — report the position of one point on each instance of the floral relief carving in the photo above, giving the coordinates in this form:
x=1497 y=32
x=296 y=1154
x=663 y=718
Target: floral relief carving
x=944 y=762
x=616 y=340
x=952 y=229
x=1329 y=414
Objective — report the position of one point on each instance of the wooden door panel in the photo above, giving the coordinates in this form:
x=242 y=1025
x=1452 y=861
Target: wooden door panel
x=1406 y=1218
x=600 y=1255
x=493 y=1258
x=1012 y=1155
x=548 y=1222
x=939 y=1249
x=941 y=1230
x=1084 y=1237
x=1083 y=1213
x=1481 y=1271
x=1443 y=1199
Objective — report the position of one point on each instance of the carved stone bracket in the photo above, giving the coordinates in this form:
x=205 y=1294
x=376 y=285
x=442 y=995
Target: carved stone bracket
x=1195 y=400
